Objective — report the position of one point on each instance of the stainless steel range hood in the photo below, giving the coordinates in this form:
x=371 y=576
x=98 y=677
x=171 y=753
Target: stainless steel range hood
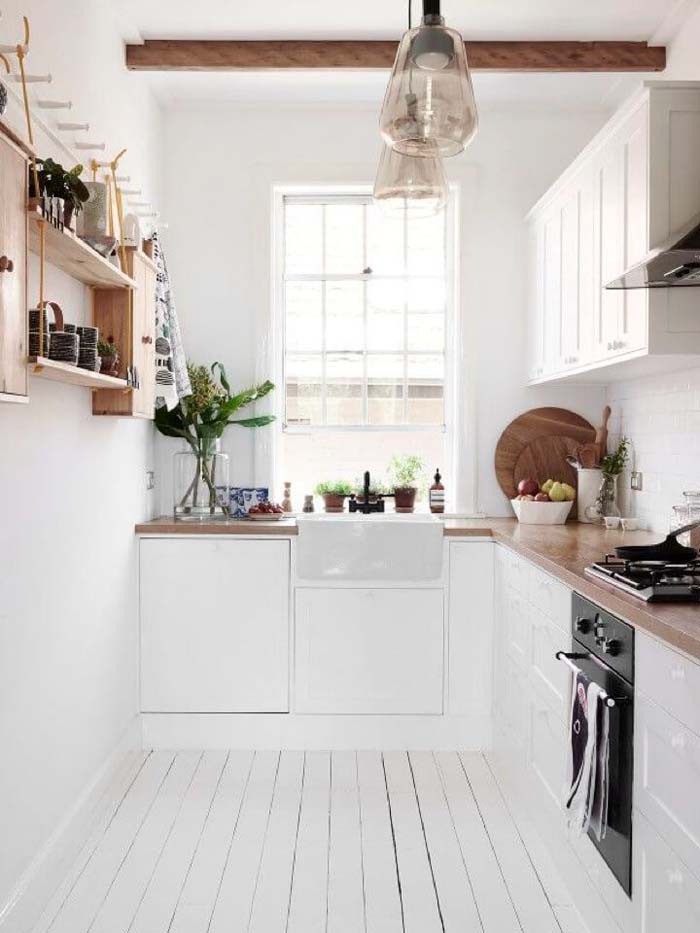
x=675 y=263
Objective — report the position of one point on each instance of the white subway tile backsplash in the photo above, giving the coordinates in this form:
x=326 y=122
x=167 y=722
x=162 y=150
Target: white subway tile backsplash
x=661 y=417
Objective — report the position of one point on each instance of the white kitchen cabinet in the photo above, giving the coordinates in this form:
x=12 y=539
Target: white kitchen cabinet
x=632 y=187
x=369 y=650
x=214 y=625
x=667 y=894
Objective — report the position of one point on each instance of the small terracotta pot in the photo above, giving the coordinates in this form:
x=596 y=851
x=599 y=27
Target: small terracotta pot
x=405 y=499
x=333 y=502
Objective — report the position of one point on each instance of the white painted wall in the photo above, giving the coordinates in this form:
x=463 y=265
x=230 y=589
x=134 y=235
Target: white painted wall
x=221 y=164
x=72 y=488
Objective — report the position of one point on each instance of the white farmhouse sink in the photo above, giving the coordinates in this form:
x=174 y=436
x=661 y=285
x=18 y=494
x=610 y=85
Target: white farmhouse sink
x=369 y=547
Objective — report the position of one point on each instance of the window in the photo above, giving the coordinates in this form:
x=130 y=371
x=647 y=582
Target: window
x=364 y=299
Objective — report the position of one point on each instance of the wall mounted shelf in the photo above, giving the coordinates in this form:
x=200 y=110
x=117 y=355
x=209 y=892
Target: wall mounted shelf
x=64 y=372
x=67 y=251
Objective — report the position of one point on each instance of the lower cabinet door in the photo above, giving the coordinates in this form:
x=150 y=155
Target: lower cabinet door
x=369 y=651
x=666 y=894
x=214 y=625
x=547 y=749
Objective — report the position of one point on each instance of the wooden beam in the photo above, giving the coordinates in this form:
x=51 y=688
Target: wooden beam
x=233 y=55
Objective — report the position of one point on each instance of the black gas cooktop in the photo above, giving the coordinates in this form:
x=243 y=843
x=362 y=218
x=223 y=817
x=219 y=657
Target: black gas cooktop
x=652 y=581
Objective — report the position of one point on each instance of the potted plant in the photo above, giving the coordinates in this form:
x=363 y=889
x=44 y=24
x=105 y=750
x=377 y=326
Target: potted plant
x=405 y=474
x=109 y=357
x=201 y=470
x=57 y=182
x=334 y=493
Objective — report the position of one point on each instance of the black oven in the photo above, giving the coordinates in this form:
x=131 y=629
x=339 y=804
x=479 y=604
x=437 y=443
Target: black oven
x=603 y=648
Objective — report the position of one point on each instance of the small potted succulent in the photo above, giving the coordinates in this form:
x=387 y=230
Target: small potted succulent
x=109 y=357
x=334 y=493
x=406 y=475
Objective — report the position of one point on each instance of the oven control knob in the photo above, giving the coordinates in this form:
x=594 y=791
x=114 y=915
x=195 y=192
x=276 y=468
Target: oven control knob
x=599 y=632
x=583 y=625
x=611 y=646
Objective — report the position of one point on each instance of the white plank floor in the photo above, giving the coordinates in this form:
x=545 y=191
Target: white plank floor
x=315 y=842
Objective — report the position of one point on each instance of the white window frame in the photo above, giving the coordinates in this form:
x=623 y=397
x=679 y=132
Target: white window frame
x=274 y=342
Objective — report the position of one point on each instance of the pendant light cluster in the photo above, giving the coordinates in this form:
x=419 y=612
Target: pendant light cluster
x=429 y=113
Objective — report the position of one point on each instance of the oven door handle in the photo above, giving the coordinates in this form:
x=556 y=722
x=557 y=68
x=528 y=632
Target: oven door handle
x=568 y=658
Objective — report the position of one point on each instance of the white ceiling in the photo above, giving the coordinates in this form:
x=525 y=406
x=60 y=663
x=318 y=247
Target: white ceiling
x=651 y=20
x=386 y=19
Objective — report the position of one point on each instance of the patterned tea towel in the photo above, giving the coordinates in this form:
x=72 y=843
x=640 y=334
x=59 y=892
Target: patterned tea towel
x=172 y=381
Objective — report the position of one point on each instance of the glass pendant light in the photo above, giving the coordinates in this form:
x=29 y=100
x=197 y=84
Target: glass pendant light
x=410 y=184
x=430 y=100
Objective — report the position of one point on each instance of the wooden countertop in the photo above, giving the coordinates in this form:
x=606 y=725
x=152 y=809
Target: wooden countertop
x=562 y=550
x=168 y=526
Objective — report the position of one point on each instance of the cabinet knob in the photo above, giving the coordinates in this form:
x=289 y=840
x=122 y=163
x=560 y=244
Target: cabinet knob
x=6 y=265
x=147 y=340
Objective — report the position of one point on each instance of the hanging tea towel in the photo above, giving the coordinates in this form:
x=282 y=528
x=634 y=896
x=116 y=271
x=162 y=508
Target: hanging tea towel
x=172 y=381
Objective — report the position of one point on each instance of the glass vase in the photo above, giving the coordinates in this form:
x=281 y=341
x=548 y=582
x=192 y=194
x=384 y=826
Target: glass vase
x=606 y=503
x=200 y=482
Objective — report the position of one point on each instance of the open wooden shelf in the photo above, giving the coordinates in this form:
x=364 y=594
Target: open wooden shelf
x=67 y=251
x=64 y=372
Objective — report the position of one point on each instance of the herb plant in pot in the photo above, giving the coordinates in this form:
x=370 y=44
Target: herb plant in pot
x=334 y=493
x=201 y=488
x=405 y=475
x=109 y=357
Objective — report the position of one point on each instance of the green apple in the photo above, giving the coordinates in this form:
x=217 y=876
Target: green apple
x=557 y=493
x=569 y=491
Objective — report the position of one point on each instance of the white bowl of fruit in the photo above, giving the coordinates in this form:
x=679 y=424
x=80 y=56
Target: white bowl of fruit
x=548 y=504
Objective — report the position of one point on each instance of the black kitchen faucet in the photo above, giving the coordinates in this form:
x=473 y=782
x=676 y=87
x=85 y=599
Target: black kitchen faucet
x=366 y=506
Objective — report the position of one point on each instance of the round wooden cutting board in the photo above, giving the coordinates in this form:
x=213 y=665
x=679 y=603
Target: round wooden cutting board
x=536 y=445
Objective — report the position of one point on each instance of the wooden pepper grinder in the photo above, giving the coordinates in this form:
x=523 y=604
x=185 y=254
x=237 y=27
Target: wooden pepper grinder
x=601 y=434
x=287 y=498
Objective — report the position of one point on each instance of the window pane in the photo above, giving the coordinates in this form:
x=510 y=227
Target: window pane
x=303 y=238
x=385 y=388
x=344 y=388
x=425 y=245
x=303 y=315
x=345 y=316
x=385 y=242
x=426 y=331
x=426 y=295
x=303 y=389
x=345 y=238
x=385 y=302
x=426 y=375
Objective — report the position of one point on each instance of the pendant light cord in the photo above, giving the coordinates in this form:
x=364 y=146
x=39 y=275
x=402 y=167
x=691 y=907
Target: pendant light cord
x=409 y=14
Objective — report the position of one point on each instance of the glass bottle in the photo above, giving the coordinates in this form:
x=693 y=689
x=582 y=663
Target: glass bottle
x=201 y=482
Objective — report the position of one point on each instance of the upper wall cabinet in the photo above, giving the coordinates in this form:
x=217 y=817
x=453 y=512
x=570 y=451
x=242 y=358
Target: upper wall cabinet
x=13 y=272
x=631 y=188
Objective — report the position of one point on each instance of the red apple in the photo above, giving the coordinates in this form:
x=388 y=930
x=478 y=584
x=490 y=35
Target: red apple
x=528 y=487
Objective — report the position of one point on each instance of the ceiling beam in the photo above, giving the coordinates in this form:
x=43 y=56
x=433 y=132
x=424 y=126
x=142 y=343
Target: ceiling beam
x=234 y=55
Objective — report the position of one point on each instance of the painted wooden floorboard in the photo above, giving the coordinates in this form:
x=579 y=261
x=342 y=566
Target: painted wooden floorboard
x=234 y=902
x=454 y=889
x=529 y=898
x=382 y=897
x=309 y=896
x=157 y=908
x=196 y=901
x=346 y=908
x=420 y=905
x=309 y=842
x=495 y=906
x=273 y=889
